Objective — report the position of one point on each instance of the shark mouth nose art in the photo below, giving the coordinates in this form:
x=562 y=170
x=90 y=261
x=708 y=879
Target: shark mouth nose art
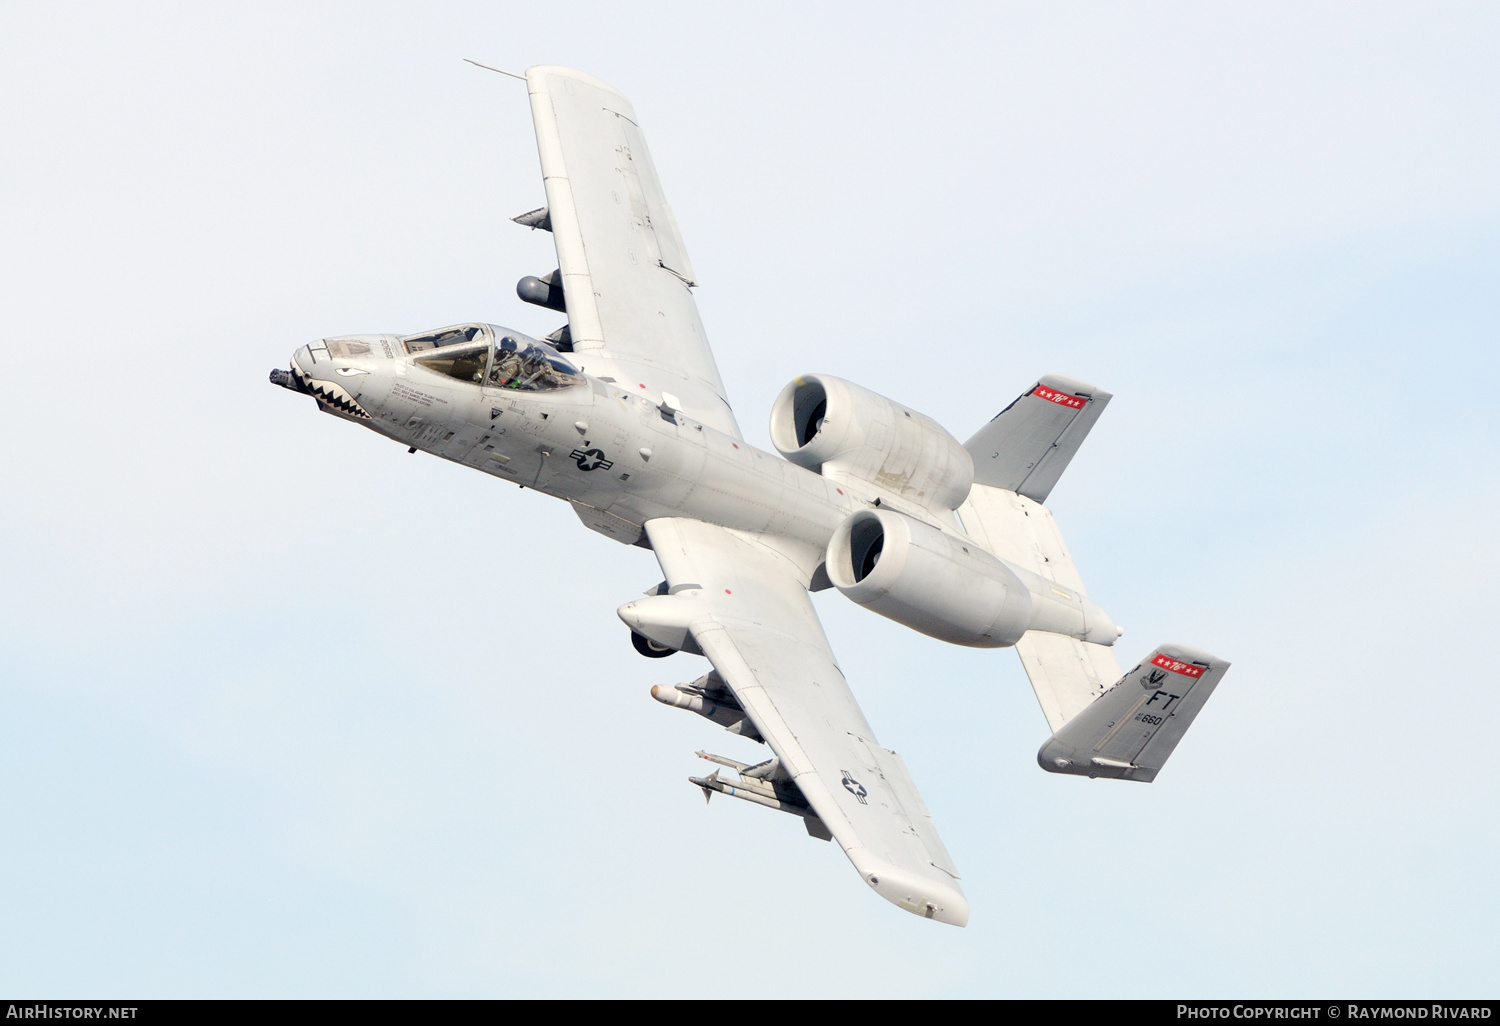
x=327 y=393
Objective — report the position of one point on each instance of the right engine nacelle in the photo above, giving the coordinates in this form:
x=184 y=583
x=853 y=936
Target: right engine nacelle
x=839 y=429
x=930 y=581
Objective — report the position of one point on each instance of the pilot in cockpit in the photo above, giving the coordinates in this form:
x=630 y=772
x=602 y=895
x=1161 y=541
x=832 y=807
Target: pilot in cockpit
x=514 y=362
x=505 y=369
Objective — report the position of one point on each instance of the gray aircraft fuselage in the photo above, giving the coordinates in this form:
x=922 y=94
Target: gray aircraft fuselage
x=619 y=458
x=503 y=403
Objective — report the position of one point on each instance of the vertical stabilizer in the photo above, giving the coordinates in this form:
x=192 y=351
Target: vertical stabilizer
x=1028 y=445
x=1103 y=725
x=1066 y=674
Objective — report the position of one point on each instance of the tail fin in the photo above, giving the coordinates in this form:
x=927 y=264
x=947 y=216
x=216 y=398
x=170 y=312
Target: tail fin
x=1066 y=674
x=1028 y=445
x=1102 y=725
x=1132 y=728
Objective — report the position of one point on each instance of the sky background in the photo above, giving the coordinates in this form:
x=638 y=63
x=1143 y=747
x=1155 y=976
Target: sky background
x=285 y=711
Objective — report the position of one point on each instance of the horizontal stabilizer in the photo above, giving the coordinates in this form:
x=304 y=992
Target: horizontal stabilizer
x=1067 y=675
x=1028 y=445
x=1129 y=731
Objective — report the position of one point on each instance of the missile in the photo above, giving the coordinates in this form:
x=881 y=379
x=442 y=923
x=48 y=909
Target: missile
x=751 y=791
x=783 y=795
x=742 y=768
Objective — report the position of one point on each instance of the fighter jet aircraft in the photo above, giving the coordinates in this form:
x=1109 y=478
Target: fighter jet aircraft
x=621 y=413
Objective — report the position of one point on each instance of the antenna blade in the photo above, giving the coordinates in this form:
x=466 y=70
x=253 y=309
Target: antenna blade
x=502 y=71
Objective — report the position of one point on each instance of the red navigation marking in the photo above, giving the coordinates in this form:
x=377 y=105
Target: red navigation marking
x=1186 y=669
x=1060 y=398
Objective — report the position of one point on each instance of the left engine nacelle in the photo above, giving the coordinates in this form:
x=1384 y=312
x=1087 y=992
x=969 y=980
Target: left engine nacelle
x=839 y=429
x=930 y=581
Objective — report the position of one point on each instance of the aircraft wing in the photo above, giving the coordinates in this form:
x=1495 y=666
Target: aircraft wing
x=625 y=272
x=746 y=607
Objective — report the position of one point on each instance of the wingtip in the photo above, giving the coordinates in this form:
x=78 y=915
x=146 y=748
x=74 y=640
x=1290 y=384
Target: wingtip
x=922 y=896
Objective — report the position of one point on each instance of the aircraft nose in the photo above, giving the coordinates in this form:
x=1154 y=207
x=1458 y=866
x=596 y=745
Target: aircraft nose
x=328 y=380
x=334 y=360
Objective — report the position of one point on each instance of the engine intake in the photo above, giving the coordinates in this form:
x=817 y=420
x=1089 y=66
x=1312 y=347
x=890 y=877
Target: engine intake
x=949 y=588
x=841 y=430
x=928 y=580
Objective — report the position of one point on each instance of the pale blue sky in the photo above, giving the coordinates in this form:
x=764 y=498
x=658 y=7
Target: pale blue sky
x=287 y=712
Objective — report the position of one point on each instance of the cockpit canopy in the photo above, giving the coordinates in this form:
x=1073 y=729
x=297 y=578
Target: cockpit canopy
x=494 y=357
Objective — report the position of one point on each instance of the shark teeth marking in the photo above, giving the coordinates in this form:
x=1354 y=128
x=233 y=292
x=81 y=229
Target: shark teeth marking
x=330 y=395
